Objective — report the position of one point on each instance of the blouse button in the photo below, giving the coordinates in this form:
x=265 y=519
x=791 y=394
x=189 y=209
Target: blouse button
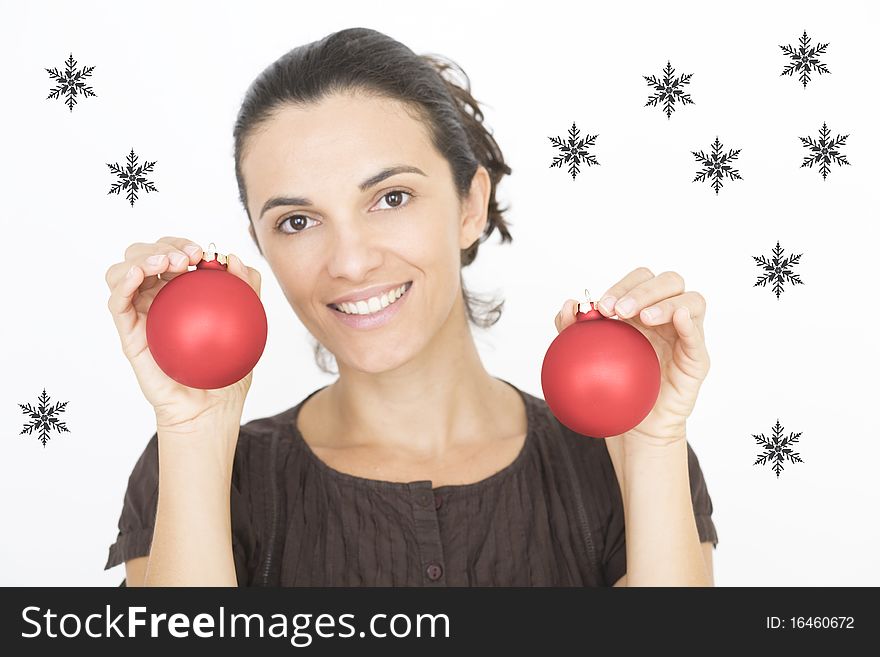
x=424 y=498
x=434 y=571
x=438 y=500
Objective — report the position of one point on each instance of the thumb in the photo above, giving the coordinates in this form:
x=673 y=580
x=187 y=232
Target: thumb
x=248 y=274
x=567 y=316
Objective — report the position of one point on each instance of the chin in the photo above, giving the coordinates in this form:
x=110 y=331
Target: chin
x=376 y=361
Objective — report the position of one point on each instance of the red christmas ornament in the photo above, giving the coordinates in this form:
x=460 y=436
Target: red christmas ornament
x=207 y=328
x=601 y=376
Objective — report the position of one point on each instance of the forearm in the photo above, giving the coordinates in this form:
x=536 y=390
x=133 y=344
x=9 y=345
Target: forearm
x=192 y=537
x=662 y=542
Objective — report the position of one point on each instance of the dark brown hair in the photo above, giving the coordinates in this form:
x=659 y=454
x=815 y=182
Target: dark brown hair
x=362 y=59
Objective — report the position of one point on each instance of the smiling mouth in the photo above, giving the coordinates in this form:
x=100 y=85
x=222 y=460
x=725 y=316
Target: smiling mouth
x=369 y=311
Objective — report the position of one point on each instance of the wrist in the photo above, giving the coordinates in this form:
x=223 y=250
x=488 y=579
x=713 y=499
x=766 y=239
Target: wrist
x=208 y=434
x=210 y=420
x=636 y=444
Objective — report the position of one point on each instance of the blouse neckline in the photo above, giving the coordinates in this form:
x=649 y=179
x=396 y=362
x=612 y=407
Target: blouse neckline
x=507 y=470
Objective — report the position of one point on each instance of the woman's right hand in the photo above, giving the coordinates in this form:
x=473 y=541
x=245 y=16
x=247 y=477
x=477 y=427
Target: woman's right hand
x=133 y=285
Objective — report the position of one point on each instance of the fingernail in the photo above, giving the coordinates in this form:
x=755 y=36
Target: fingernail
x=131 y=272
x=178 y=259
x=155 y=259
x=192 y=249
x=608 y=303
x=625 y=306
x=652 y=312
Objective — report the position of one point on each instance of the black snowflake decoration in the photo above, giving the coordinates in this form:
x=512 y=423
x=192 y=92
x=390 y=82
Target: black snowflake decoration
x=777 y=449
x=778 y=270
x=574 y=151
x=70 y=82
x=825 y=151
x=716 y=165
x=669 y=90
x=805 y=59
x=43 y=418
x=132 y=178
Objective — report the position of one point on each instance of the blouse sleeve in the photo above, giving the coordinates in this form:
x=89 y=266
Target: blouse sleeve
x=138 y=515
x=138 y=508
x=615 y=544
x=702 y=501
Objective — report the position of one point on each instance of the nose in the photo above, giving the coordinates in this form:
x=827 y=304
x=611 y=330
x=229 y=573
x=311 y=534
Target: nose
x=354 y=250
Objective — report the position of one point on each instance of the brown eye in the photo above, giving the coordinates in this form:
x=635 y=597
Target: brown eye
x=395 y=199
x=298 y=223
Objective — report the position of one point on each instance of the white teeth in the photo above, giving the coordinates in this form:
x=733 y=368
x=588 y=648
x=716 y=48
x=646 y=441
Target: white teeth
x=373 y=304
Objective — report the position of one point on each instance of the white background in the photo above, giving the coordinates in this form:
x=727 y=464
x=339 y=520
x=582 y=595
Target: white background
x=169 y=77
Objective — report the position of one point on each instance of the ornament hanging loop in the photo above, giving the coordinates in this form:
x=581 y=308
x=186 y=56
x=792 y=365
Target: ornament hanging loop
x=585 y=307
x=211 y=254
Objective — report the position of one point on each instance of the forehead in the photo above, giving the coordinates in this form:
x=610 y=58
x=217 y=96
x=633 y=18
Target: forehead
x=339 y=140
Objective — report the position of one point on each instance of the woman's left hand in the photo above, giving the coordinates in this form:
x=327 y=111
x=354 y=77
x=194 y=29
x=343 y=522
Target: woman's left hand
x=677 y=339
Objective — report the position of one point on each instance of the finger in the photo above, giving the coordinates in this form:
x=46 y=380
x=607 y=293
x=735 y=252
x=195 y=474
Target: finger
x=182 y=244
x=180 y=254
x=120 y=269
x=636 y=277
x=693 y=301
x=157 y=264
x=649 y=292
x=121 y=296
x=168 y=254
x=116 y=273
x=567 y=316
x=689 y=336
x=166 y=245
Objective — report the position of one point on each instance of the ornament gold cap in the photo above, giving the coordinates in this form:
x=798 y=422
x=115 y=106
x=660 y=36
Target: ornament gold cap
x=211 y=254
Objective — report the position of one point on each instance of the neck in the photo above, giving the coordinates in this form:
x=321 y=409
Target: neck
x=432 y=402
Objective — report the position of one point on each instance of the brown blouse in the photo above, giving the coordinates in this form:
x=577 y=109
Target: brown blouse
x=552 y=517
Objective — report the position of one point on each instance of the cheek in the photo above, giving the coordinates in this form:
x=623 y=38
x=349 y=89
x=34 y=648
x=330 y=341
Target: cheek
x=432 y=240
x=442 y=272
x=296 y=275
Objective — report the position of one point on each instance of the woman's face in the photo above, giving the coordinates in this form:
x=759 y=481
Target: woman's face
x=331 y=223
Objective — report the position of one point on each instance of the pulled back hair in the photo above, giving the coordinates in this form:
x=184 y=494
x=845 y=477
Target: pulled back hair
x=365 y=60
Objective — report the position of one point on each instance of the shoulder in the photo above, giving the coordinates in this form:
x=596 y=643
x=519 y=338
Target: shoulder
x=264 y=440
x=257 y=434
x=585 y=459
x=579 y=470
x=555 y=437
x=598 y=463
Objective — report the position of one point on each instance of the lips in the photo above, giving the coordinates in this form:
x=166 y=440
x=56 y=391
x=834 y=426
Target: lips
x=373 y=320
x=338 y=308
x=376 y=291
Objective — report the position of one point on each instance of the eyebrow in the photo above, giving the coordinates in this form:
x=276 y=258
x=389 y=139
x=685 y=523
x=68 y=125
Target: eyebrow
x=275 y=201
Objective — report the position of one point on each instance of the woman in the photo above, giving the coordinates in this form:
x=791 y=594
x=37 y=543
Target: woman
x=369 y=181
